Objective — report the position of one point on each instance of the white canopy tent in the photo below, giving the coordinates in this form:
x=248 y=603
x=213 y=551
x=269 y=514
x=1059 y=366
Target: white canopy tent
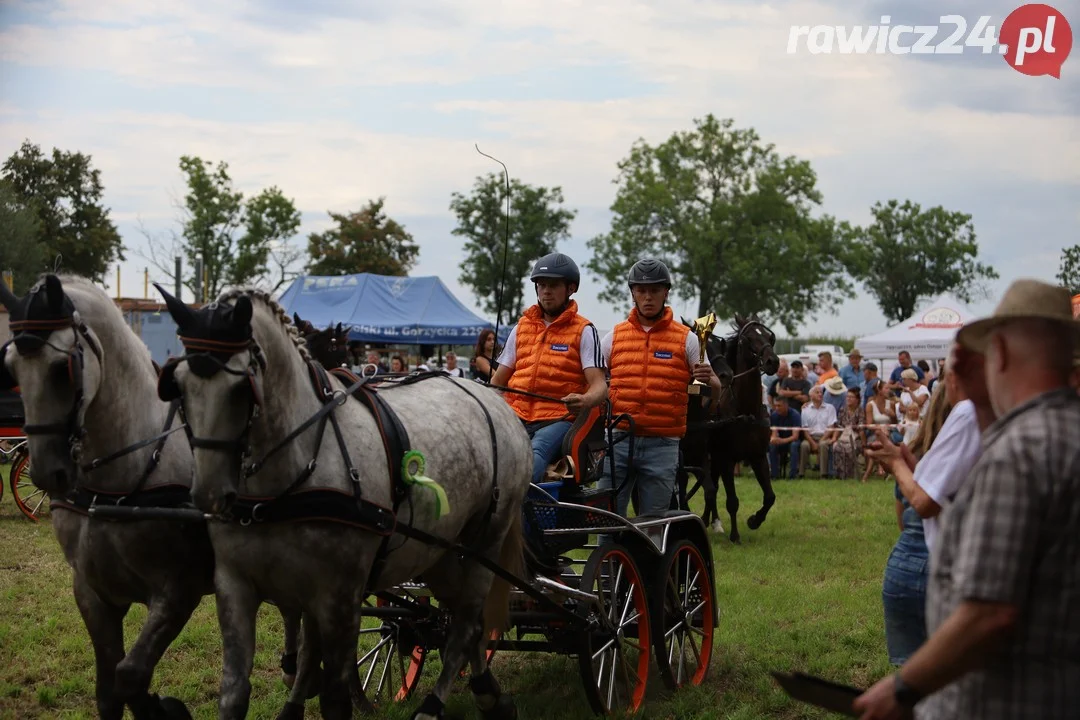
x=927 y=334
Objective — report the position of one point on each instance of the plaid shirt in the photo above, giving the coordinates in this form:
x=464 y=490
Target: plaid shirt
x=1012 y=535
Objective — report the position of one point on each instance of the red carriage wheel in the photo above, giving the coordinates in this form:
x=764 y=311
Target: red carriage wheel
x=389 y=671
x=614 y=657
x=684 y=610
x=32 y=501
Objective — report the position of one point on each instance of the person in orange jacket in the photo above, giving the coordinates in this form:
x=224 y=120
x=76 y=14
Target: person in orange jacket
x=555 y=352
x=652 y=359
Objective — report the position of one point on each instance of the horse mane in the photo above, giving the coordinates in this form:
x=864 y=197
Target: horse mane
x=100 y=313
x=276 y=310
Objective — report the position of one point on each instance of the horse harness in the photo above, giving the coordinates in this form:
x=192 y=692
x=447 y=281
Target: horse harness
x=34 y=334
x=294 y=504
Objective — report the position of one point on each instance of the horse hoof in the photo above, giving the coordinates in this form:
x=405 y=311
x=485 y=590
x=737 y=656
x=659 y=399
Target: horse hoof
x=735 y=540
x=753 y=522
x=173 y=709
x=503 y=709
x=291 y=711
x=717 y=527
x=288 y=679
x=430 y=709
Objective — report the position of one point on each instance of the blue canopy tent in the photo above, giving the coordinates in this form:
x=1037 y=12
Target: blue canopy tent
x=386 y=309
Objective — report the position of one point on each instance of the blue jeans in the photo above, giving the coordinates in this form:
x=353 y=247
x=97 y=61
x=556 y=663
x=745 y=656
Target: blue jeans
x=903 y=594
x=655 y=462
x=546 y=446
x=793 y=461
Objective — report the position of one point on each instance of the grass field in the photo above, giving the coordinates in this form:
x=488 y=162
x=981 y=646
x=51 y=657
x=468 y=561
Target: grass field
x=802 y=593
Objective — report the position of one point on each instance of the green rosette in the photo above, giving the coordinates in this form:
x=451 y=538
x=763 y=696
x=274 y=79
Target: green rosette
x=412 y=470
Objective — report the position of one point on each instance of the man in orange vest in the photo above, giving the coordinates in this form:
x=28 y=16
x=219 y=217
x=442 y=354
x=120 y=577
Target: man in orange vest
x=652 y=360
x=554 y=352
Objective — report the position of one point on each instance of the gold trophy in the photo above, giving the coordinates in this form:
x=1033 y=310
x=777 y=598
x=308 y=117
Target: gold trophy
x=703 y=328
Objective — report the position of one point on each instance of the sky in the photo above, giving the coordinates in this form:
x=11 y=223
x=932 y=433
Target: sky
x=338 y=102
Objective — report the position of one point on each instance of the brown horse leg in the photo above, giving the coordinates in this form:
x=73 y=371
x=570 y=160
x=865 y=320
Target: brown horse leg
x=764 y=478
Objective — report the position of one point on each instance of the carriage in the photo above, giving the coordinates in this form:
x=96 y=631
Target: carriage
x=31 y=501
x=616 y=593
x=619 y=594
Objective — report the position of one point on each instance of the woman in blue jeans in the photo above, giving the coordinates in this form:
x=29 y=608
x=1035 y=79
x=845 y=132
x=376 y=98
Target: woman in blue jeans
x=903 y=592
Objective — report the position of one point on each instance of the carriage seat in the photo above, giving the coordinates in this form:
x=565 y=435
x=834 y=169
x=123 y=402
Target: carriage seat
x=583 y=450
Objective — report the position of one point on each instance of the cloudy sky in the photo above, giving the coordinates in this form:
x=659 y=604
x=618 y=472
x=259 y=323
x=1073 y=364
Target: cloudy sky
x=340 y=101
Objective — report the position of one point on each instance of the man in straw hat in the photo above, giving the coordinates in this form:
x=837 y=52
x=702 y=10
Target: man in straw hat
x=1001 y=601
x=852 y=373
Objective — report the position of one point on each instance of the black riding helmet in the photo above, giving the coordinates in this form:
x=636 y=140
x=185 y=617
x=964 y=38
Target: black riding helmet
x=649 y=271
x=558 y=266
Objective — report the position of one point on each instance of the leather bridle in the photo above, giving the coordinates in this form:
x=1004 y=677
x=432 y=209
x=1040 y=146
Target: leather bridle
x=71 y=426
x=206 y=358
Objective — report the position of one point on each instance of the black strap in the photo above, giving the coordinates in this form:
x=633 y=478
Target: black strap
x=155 y=458
x=81 y=499
x=329 y=405
x=316 y=504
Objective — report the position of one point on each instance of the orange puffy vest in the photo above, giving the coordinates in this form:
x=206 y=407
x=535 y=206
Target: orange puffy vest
x=548 y=363
x=649 y=375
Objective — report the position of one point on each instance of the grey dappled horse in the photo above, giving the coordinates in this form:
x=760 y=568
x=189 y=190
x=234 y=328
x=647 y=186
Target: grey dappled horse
x=247 y=387
x=87 y=384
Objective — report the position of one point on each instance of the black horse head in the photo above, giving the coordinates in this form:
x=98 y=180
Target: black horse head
x=750 y=346
x=330 y=347
x=714 y=351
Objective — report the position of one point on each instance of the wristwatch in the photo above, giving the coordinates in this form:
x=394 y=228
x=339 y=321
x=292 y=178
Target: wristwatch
x=906 y=696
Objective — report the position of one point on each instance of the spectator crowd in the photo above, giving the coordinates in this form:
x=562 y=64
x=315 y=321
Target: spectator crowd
x=825 y=416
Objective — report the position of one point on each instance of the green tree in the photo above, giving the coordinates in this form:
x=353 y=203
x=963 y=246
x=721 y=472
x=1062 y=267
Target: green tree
x=1069 y=270
x=232 y=236
x=538 y=222
x=270 y=220
x=21 y=249
x=908 y=254
x=236 y=238
x=366 y=241
x=732 y=219
x=64 y=193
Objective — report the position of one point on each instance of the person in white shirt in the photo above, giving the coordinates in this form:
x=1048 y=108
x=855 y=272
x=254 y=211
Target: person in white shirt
x=941 y=472
x=915 y=393
x=452 y=366
x=818 y=419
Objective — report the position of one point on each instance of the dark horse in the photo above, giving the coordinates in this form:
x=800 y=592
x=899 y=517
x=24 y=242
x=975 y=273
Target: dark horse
x=741 y=433
x=694 y=447
x=329 y=347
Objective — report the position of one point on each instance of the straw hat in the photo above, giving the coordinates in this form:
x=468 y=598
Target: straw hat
x=855 y=353
x=835 y=386
x=1025 y=299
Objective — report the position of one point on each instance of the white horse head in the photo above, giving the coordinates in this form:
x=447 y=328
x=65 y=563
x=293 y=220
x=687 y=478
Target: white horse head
x=230 y=349
x=65 y=330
